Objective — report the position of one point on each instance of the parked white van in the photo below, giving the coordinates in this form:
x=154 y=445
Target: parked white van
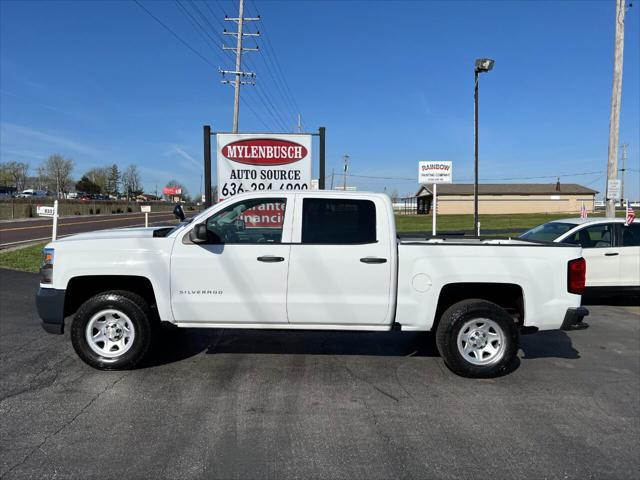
x=30 y=192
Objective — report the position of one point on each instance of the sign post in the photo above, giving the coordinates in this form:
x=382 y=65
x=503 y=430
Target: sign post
x=146 y=209
x=54 y=234
x=434 y=173
x=435 y=210
x=46 y=211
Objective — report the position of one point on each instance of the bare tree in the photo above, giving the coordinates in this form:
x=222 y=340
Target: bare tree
x=58 y=170
x=99 y=176
x=42 y=181
x=14 y=174
x=5 y=174
x=131 y=181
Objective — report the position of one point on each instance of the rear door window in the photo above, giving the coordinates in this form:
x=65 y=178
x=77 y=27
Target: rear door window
x=337 y=221
x=595 y=236
x=630 y=235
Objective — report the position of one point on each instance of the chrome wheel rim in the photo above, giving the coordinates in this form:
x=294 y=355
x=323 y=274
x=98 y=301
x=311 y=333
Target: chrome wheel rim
x=481 y=341
x=110 y=333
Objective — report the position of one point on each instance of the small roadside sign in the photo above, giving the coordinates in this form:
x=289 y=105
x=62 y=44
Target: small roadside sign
x=613 y=189
x=435 y=172
x=48 y=211
x=145 y=209
x=45 y=210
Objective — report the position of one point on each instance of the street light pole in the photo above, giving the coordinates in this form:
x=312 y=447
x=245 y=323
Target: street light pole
x=475 y=152
x=482 y=65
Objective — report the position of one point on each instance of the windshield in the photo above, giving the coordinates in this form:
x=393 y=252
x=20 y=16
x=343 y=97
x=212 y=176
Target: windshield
x=547 y=232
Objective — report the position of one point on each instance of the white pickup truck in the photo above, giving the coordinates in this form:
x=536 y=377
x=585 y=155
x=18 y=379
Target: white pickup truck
x=307 y=260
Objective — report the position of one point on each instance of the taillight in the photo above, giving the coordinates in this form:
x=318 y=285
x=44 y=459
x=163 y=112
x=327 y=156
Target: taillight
x=577 y=276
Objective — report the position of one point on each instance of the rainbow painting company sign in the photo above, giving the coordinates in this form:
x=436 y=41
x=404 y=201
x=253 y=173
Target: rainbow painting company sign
x=262 y=161
x=435 y=172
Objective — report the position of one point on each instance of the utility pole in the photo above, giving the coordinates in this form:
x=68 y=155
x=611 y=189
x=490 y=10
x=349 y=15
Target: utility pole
x=322 y=136
x=346 y=168
x=299 y=124
x=616 y=97
x=333 y=173
x=238 y=73
x=206 y=132
x=624 y=161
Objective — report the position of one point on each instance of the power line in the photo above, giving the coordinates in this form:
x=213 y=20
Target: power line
x=271 y=110
x=276 y=62
x=192 y=20
x=262 y=90
x=266 y=93
x=186 y=44
x=596 y=180
x=204 y=18
x=254 y=112
x=203 y=28
x=413 y=179
x=202 y=57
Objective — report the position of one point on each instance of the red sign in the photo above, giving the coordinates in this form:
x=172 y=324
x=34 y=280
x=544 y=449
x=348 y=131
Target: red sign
x=264 y=152
x=172 y=191
x=266 y=215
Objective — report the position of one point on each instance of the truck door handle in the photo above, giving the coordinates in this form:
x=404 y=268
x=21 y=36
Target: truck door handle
x=270 y=259
x=373 y=260
x=612 y=254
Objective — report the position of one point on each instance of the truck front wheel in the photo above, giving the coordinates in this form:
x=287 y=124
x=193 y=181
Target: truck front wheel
x=477 y=338
x=112 y=330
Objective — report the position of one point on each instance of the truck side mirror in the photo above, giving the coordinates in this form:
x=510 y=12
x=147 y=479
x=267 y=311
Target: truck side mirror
x=178 y=212
x=199 y=234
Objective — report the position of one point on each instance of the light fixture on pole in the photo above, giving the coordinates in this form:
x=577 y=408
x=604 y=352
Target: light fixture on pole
x=482 y=65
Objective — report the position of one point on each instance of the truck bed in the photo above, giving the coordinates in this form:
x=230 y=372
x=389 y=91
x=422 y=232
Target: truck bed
x=538 y=270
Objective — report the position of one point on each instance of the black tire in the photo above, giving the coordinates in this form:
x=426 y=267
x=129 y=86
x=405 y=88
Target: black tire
x=130 y=304
x=459 y=315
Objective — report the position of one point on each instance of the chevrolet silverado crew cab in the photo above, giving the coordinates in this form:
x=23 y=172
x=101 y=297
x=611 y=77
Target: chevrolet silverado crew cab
x=307 y=260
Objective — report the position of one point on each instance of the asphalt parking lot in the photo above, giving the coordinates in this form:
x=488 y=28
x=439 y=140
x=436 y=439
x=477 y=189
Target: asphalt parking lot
x=256 y=404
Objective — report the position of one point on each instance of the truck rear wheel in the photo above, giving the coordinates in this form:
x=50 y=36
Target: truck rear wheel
x=477 y=338
x=112 y=330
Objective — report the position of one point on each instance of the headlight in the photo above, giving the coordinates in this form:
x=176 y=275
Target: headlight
x=46 y=267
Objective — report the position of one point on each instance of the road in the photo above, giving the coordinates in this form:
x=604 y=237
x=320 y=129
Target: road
x=23 y=231
x=270 y=404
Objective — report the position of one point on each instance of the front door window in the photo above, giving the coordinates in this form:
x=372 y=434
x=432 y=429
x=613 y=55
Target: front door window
x=250 y=221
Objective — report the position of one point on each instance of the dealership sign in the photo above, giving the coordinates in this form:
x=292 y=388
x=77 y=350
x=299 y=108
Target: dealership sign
x=434 y=172
x=249 y=162
x=172 y=191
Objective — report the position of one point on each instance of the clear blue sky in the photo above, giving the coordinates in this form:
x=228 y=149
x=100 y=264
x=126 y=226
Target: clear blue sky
x=102 y=82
